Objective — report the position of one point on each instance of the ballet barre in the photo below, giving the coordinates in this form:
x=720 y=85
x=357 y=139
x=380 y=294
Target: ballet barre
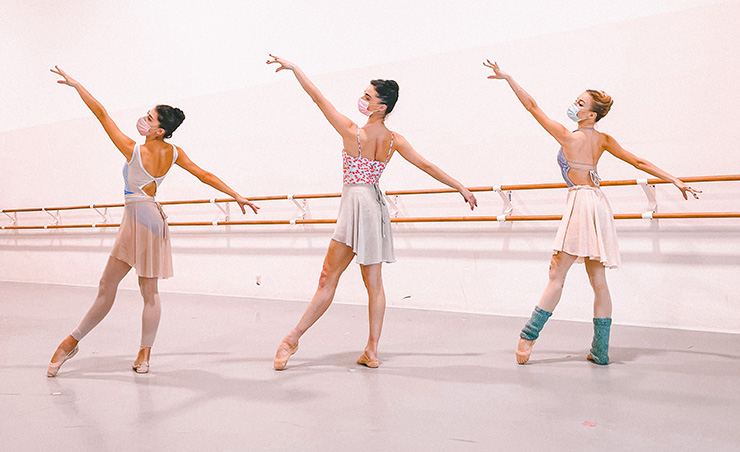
x=301 y=202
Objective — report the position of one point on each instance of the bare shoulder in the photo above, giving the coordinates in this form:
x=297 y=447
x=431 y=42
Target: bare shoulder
x=607 y=141
x=399 y=140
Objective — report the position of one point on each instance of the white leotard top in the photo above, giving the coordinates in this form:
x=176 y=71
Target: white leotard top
x=135 y=177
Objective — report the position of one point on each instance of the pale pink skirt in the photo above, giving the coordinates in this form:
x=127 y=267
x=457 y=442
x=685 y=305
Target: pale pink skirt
x=364 y=224
x=143 y=240
x=587 y=229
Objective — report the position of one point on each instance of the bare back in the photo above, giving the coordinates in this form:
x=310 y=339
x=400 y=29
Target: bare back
x=156 y=158
x=376 y=143
x=584 y=149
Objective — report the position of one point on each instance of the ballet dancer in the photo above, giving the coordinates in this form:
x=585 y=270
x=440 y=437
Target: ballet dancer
x=363 y=227
x=143 y=240
x=586 y=232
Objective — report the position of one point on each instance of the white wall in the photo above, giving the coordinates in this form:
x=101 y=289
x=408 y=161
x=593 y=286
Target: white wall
x=674 y=80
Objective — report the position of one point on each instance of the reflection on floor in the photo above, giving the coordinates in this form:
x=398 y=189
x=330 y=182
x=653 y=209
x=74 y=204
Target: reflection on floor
x=446 y=382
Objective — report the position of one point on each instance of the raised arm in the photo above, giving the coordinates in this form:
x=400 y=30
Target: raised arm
x=122 y=142
x=341 y=123
x=210 y=179
x=554 y=128
x=619 y=152
x=409 y=153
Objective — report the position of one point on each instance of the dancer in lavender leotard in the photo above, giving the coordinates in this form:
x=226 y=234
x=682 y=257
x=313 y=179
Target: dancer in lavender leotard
x=586 y=232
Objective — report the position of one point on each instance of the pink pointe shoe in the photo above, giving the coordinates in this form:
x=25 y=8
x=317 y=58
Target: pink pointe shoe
x=53 y=368
x=365 y=360
x=281 y=361
x=141 y=368
x=523 y=350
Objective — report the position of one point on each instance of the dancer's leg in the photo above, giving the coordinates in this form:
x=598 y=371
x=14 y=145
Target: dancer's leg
x=560 y=263
x=149 y=318
x=372 y=276
x=113 y=273
x=602 y=312
x=602 y=298
x=338 y=257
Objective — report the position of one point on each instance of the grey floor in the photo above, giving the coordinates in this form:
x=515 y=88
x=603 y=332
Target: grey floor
x=447 y=382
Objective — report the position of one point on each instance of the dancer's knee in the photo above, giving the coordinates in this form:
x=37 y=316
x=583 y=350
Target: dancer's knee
x=557 y=271
x=148 y=289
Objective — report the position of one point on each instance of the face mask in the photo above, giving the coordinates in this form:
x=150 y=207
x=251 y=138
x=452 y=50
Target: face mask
x=363 y=106
x=143 y=127
x=573 y=111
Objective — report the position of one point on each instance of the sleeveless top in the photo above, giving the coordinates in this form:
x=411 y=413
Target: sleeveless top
x=566 y=165
x=135 y=177
x=359 y=170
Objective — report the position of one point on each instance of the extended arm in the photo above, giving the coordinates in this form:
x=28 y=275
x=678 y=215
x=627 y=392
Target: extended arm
x=554 y=128
x=122 y=142
x=643 y=165
x=341 y=123
x=210 y=179
x=409 y=153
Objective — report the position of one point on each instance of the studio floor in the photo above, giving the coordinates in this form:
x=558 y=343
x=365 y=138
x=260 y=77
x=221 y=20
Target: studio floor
x=447 y=382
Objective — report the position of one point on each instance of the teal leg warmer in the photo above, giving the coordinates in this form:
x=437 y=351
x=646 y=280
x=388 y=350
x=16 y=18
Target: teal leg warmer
x=600 y=343
x=531 y=330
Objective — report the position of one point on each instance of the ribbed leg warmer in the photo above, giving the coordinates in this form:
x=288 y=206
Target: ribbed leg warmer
x=531 y=330
x=600 y=343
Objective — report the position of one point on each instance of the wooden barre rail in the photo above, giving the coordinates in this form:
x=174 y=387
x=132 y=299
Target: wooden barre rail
x=624 y=182
x=499 y=218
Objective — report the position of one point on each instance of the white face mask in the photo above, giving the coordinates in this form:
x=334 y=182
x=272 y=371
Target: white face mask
x=573 y=111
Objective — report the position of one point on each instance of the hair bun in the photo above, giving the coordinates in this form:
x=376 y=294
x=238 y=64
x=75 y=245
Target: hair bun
x=387 y=92
x=601 y=102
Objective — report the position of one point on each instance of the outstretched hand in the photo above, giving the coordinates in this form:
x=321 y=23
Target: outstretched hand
x=67 y=79
x=686 y=189
x=469 y=198
x=284 y=64
x=497 y=72
x=242 y=201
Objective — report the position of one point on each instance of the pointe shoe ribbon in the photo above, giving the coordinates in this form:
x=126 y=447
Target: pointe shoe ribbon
x=281 y=361
x=365 y=360
x=53 y=368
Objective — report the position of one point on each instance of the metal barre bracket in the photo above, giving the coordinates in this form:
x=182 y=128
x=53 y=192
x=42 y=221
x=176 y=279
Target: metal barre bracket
x=13 y=218
x=508 y=207
x=302 y=208
x=56 y=217
x=393 y=201
x=649 y=190
x=226 y=210
x=103 y=214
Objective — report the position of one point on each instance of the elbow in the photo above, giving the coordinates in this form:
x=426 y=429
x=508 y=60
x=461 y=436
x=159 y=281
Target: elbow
x=642 y=164
x=531 y=106
x=206 y=178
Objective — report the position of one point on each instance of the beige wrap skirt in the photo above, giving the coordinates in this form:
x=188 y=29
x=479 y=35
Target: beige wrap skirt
x=143 y=239
x=364 y=224
x=587 y=228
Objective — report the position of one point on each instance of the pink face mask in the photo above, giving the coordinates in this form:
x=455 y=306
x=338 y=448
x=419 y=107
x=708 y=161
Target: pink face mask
x=363 y=106
x=143 y=127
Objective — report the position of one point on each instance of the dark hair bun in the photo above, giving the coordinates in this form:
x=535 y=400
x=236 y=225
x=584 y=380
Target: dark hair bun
x=387 y=92
x=170 y=119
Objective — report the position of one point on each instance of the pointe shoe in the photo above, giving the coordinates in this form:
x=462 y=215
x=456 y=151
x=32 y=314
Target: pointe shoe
x=53 y=368
x=365 y=360
x=523 y=350
x=281 y=361
x=141 y=368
